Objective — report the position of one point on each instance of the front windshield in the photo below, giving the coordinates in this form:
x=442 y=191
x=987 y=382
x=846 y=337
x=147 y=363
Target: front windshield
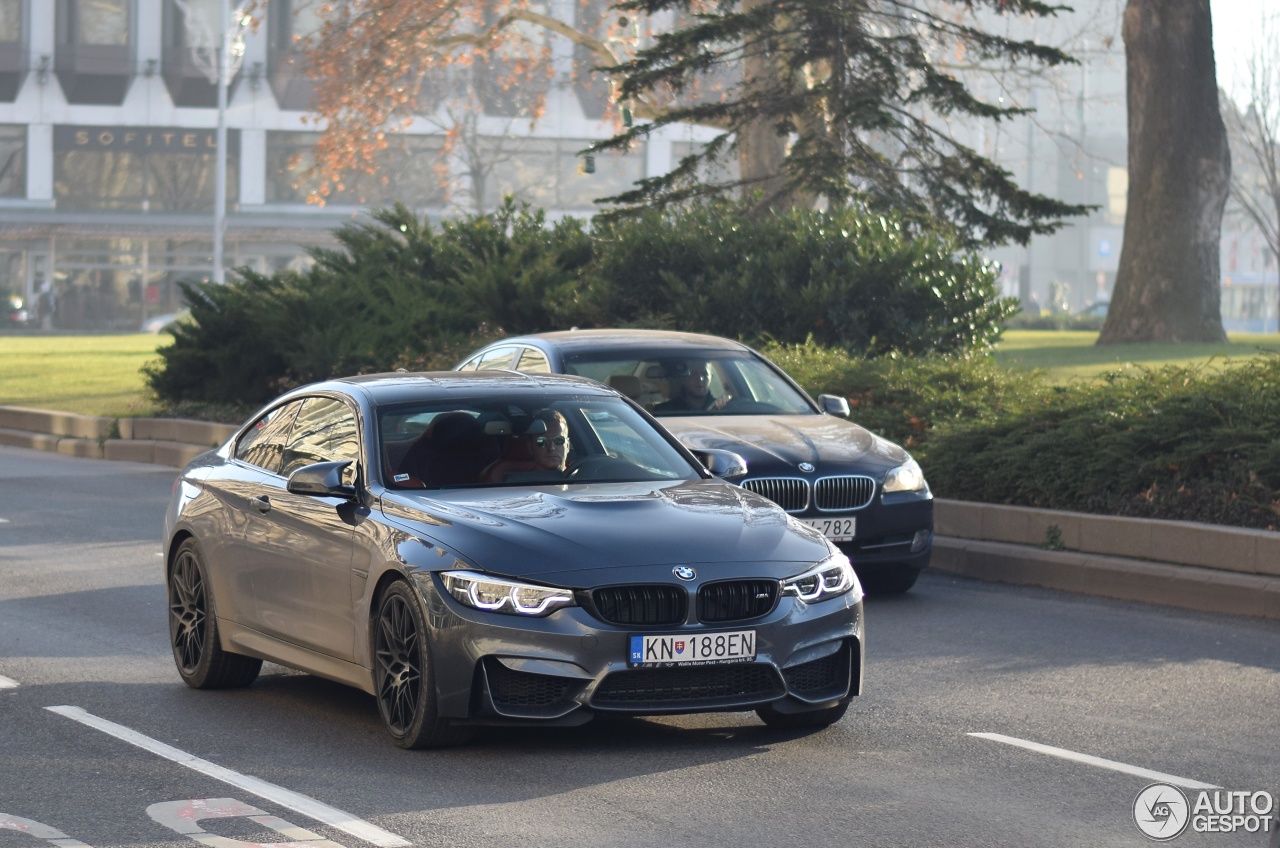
x=504 y=441
x=672 y=383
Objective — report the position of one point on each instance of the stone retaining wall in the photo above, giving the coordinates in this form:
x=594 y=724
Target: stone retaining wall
x=162 y=441
x=1202 y=567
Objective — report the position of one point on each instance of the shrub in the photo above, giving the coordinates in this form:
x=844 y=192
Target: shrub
x=905 y=398
x=396 y=290
x=1174 y=443
x=843 y=278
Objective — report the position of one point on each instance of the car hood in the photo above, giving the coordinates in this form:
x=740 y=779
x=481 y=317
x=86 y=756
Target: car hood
x=553 y=532
x=765 y=440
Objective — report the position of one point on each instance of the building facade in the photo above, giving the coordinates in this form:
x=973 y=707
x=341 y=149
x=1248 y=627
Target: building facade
x=108 y=154
x=108 y=157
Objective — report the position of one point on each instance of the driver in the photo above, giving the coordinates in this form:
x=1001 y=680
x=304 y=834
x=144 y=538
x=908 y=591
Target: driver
x=544 y=446
x=692 y=391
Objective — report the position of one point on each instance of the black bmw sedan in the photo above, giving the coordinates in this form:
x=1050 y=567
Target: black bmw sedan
x=494 y=548
x=864 y=493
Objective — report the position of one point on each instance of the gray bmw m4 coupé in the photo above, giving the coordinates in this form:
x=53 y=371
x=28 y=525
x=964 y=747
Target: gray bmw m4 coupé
x=489 y=548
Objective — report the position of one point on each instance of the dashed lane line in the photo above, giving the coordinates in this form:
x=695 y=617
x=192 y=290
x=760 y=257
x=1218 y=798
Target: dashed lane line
x=8 y=682
x=1088 y=759
x=287 y=798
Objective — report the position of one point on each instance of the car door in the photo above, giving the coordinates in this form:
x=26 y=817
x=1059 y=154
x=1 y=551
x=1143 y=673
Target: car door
x=253 y=473
x=299 y=547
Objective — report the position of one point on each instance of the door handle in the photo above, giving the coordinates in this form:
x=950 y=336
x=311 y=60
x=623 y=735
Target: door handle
x=261 y=503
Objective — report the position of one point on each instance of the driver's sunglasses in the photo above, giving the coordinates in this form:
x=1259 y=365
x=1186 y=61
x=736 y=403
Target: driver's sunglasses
x=542 y=441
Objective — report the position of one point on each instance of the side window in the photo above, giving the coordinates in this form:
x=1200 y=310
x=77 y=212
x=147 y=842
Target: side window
x=263 y=443
x=533 y=361
x=324 y=432
x=499 y=357
x=470 y=364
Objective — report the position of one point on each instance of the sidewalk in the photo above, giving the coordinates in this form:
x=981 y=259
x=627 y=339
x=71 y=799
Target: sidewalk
x=1194 y=566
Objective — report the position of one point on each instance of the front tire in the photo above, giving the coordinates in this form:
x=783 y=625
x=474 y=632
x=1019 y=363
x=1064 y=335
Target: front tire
x=404 y=678
x=812 y=719
x=193 y=628
x=896 y=580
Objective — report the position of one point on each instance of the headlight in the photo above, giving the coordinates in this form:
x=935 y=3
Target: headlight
x=482 y=592
x=905 y=478
x=833 y=576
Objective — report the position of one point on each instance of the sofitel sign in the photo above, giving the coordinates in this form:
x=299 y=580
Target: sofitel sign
x=141 y=139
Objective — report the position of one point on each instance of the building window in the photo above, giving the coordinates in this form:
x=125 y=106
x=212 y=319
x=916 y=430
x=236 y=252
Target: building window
x=1117 y=195
x=10 y=21
x=146 y=169
x=103 y=22
x=95 y=57
x=550 y=173
x=288 y=22
x=13 y=161
x=522 y=167
x=187 y=52
x=408 y=171
x=13 y=48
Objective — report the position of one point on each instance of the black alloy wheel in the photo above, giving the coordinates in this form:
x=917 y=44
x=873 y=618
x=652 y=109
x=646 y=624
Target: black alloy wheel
x=810 y=720
x=403 y=677
x=193 y=629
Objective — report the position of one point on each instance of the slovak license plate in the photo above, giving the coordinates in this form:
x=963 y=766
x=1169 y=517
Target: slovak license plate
x=835 y=529
x=693 y=649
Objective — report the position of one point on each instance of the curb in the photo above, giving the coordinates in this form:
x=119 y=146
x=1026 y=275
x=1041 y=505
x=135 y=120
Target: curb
x=160 y=441
x=1186 y=587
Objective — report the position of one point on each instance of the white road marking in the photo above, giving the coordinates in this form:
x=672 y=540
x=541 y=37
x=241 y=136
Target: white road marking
x=40 y=831
x=182 y=817
x=287 y=798
x=1087 y=759
x=8 y=682
x=4 y=521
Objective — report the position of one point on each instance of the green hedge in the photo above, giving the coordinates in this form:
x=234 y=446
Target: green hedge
x=400 y=292
x=1174 y=443
x=397 y=287
x=843 y=278
x=905 y=399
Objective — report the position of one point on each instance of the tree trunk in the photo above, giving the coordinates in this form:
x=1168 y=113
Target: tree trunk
x=762 y=150
x=1167 y=286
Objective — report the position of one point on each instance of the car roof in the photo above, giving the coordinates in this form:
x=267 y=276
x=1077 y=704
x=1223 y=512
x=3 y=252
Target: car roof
x=568 y=341
x=413 y=385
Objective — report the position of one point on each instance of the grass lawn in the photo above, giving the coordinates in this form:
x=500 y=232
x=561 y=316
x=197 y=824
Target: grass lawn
x=99 y=375
x=1065 y=355
x=89 y=375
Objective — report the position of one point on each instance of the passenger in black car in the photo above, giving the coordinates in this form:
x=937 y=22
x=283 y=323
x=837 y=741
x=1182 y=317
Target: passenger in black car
x=691 y=384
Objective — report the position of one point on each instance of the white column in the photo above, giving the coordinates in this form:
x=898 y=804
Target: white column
x=253 y=167
x=40 y=162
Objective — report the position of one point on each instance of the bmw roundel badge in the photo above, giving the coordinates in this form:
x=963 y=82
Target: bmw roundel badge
x=806 y=467
x=684 y=572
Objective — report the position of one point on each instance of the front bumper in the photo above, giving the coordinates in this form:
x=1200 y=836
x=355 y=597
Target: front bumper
x=893 y=530
x=569 y=666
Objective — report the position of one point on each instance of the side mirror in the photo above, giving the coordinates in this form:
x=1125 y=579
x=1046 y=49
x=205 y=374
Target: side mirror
x=722 y=463
x=323 y=479
x=834 y=405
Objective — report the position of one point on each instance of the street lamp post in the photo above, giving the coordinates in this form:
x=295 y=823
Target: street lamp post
x=218 y=56
x=220 y=171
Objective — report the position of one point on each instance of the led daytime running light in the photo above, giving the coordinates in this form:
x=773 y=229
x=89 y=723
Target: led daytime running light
x=829 y=578
x=490 y=594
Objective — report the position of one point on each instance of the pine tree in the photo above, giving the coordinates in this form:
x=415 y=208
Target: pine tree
x=838 y=102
